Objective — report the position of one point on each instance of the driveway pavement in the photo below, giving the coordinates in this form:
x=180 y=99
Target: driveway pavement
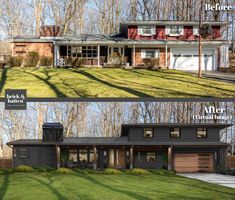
x=220 y=76
x=219 y=179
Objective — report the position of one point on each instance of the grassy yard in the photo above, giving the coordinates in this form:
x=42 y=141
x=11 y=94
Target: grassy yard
x=41 y=186
x=51 y=82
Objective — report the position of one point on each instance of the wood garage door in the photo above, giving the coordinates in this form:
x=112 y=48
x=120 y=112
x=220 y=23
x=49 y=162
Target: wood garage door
x=193 y=162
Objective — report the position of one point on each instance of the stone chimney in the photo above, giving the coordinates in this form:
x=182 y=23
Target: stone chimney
x=50 y=31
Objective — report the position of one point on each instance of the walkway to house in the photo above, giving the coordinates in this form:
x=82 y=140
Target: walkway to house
x=220 y=76
x=219 y=179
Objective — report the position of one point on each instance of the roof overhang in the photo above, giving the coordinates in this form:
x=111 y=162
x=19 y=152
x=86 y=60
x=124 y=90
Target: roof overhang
x=144 y=42
x=173 y=22
x=28 y=40
x=121 y=143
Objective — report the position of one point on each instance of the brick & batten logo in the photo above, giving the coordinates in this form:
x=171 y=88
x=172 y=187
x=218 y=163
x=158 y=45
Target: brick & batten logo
x=15 y=99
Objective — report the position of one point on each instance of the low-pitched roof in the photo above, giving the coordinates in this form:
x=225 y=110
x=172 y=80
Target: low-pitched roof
x=173 y=22
x=107 y=141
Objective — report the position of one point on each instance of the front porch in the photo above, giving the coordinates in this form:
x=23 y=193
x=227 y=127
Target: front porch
x=119 y=157
x=98 y=55
x=93 y=55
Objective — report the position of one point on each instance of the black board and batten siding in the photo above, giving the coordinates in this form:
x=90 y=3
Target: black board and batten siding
x=36 y=156
x=162 y=134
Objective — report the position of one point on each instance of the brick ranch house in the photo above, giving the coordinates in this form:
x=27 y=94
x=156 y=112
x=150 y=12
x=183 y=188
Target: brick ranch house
x=182 y=147
x=175 y=43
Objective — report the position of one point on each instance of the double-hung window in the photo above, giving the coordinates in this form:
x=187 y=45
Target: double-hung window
x=201 y=132
x=149 y=53
x=146 y=30
x=148 y=132
x=23 y=153
x=175 y=133
x=174 y=30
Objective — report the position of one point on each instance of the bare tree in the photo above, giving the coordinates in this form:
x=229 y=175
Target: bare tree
x=39 y=7
x=63 y=11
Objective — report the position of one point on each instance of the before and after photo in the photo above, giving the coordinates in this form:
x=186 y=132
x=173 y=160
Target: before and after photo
x=117 y=99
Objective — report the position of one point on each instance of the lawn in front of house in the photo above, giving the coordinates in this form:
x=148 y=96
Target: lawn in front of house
x=115 y=83
x=43 y=185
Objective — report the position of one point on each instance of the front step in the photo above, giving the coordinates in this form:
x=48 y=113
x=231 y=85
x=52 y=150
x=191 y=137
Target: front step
x=227 y=70
x=231 y=68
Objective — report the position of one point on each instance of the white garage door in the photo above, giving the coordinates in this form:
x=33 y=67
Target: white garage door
x=188 y=60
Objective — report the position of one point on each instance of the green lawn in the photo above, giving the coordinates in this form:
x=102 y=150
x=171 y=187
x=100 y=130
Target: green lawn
x=41 y=186
x=94 y=82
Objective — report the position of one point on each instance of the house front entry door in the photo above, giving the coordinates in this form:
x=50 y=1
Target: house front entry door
x=117 y=158
x=119 y=50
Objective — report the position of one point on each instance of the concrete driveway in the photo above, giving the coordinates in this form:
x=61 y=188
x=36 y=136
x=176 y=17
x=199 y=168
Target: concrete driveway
x=219 y=179
x=220 y=76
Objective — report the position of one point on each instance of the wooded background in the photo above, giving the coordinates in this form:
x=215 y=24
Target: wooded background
x=24 y=17
x=104 y=119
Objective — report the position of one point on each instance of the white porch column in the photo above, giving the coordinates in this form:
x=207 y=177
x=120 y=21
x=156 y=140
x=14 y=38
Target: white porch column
x=170 y=158
x=166 y=57
x=133 y=56
x=123 y=54
x=56 y=55
x=98 y=54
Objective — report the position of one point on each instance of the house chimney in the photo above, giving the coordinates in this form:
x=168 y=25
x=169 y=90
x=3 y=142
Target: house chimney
x=50 y=31
x=52 y=132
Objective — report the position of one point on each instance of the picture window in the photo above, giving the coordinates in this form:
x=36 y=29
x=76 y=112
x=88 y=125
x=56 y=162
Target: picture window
x=151 y=157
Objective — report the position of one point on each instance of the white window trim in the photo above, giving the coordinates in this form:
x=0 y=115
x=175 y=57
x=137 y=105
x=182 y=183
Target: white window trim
x=140 y=30
x=168 y=31
x=156 y=53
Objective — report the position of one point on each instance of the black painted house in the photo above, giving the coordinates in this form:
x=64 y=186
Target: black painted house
x=182 y=147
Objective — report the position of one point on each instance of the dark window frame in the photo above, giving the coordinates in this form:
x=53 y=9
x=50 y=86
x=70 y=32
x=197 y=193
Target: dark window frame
x=73 y=151
x=155 y=157
x=22 y=153
x=173 y=130
x=144 y=129
x=203 y=136
x=84 y=51
x=83 y=151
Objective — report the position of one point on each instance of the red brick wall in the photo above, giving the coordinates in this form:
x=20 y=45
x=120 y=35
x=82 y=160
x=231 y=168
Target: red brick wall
x=160 y=34
x=44 y=49
x=216 y=32
x=5 y=163
x=138 y=59
x=50 y=31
